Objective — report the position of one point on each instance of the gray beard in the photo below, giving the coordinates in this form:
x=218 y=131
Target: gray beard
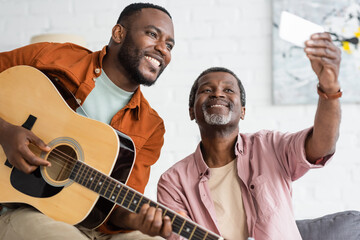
x=216 y=119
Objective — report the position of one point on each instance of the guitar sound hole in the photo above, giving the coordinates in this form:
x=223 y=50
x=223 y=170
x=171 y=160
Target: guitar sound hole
x=62 y=159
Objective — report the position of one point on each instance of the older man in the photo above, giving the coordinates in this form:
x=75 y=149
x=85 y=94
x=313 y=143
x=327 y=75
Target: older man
x=239 y=185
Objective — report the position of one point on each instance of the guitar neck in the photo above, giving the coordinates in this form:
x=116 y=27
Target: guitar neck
x=132 y=200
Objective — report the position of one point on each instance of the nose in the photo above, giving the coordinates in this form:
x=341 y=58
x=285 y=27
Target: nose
x=217 y=93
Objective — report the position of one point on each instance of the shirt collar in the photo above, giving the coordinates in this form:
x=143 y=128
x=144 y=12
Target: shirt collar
x=100 y=59
x=239 y=146
x=134 y=103
x=202 y=167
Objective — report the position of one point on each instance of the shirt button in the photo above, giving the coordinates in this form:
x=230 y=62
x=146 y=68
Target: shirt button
x=97 y=70
x=94 y=79
x=78 y=100
x=252 y=186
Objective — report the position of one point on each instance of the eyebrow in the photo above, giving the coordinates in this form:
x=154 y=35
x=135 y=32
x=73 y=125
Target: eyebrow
x=158 y=30
x=228 y=82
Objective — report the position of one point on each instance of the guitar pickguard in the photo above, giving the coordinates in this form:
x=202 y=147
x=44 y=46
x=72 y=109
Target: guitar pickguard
x=32 y=184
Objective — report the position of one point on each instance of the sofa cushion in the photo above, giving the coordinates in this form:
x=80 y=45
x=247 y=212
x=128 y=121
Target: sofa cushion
x=337 y=226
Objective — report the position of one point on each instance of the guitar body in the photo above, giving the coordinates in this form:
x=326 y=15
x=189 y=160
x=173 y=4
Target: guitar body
x=28 y=96
x=90 y=161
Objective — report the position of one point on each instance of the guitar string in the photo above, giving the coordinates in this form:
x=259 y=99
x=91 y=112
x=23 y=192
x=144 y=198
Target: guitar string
x=198 y=234
x=176 y=223
x=112 y=185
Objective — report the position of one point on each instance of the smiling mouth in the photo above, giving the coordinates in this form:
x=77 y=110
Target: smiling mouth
x=217 y=105
x=156 y=63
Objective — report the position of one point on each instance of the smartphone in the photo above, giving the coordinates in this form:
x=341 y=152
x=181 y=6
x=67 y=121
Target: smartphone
x=296 y=30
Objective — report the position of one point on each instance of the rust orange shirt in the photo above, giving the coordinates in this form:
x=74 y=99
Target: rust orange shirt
x=77 y=68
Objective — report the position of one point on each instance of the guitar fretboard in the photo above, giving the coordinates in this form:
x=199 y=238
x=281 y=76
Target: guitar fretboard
x=132 y=200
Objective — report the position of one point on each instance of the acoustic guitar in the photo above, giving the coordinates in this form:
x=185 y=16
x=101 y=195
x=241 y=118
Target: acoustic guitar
x=90 y=161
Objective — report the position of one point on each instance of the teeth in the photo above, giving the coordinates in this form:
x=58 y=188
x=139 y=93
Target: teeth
x=153 y=61
x=216 y=106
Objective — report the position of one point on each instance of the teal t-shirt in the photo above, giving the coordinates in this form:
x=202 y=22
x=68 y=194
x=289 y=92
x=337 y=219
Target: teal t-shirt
x=105 y=100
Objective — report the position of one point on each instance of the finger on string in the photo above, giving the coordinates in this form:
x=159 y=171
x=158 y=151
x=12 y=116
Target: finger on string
x=23 y=165
x=38 y=142
x=157 y=220
x=31 y=158
x=166 y=229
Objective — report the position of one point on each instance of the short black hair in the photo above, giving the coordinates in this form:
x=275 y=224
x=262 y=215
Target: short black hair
x=195 y=86
x=137 y=7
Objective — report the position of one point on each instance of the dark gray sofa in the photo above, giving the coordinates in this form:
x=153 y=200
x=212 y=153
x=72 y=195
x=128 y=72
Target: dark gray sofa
x=337 y=226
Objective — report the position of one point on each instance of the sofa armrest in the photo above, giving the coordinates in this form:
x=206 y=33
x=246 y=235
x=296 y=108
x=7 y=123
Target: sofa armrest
x=337 y=226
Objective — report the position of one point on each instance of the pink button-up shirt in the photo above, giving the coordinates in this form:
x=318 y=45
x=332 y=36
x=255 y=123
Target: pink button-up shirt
x=267 y=163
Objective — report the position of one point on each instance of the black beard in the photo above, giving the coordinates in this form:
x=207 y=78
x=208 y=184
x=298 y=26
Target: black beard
x=129 y=57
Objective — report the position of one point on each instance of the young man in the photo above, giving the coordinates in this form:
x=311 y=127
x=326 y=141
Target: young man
x=239 y=185
x=106 y=84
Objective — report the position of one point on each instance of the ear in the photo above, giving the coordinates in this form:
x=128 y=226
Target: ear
x=118 y=33
x=191 y=113
x=242 y=116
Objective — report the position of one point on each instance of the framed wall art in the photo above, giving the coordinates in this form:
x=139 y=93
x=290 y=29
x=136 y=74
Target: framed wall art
x=294 y=82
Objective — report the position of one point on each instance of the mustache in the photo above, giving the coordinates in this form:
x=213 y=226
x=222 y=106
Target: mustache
x=210 y=102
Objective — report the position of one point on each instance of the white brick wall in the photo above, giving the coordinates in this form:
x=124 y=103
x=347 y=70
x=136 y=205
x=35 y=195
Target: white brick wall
x=232 y=33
